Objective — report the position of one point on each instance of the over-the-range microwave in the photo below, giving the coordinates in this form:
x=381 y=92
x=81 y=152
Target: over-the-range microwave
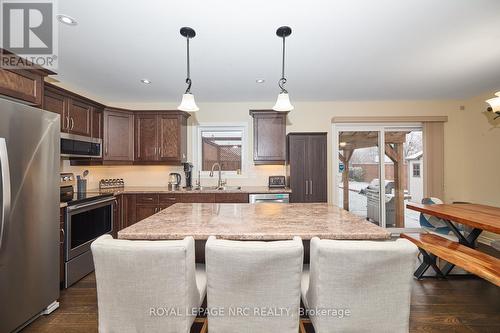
x=80 y=146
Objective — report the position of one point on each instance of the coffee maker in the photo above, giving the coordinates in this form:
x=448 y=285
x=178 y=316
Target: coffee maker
x=188 y=170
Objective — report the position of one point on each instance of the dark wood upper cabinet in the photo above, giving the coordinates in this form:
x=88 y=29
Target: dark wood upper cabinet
x=172 y=139
x=97 y=123
x=269 y=136
x=307 y=167
x=118 y=135
x=57 y=102
x=146 y=137
x=160 y=137
x=23 y=85
x=80 y=114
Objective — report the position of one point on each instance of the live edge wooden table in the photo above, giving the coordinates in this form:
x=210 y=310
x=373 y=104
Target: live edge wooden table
x=265 y=221
x=479 y=217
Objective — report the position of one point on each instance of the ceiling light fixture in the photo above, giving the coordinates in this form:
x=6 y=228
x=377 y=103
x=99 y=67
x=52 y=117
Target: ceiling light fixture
x=146 y=81
x=260 y=80
x=494 y=105
x=283 y=101
x=66 y=19
x=188 y=104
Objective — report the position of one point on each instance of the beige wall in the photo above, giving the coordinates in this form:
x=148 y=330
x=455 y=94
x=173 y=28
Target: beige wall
x=472 y=143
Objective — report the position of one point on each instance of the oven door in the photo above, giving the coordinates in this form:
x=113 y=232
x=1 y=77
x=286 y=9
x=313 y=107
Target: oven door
x=85 y=222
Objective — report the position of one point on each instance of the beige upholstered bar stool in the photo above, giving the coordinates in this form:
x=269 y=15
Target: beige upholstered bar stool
x=359 y=286
x=147 y=286
x=253 y=286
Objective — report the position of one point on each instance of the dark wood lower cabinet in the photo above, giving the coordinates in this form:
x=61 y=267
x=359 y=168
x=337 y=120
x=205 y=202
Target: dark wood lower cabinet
x=231 y=197
x=197 y=197
x=132 y=208
x=128 y=210
x=144 y=211
x=117 y=212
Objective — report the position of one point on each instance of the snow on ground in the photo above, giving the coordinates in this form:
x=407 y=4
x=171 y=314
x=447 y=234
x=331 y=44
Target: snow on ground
x=358 y=202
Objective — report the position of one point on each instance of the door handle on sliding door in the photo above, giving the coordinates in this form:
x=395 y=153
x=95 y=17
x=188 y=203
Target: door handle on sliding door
x=311 y=187
x=5 y=177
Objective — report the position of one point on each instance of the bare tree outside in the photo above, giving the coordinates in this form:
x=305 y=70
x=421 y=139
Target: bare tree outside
x=413 y=143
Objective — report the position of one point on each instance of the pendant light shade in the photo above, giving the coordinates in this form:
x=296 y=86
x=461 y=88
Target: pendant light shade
x=188 y=104
x=494 y=102
x=283 y=101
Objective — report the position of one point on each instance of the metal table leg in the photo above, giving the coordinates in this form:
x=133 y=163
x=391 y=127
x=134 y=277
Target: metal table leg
x=429 y=261
x=469 y=241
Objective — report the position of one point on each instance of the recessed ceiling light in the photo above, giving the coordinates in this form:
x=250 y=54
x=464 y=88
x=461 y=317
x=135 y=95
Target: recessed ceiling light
x=260 y=80
x=146 y=81
x=66 y=19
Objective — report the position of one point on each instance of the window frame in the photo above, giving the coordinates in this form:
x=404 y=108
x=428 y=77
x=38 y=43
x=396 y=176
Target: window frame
x=197 y=148
x=415 y=164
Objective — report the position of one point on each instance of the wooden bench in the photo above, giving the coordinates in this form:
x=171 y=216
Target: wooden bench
x=473 y=261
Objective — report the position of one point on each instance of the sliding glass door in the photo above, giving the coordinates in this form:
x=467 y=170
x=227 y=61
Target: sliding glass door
x=378 y=169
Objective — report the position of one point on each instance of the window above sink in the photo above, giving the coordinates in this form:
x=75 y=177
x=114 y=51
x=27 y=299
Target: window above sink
x=225 y=144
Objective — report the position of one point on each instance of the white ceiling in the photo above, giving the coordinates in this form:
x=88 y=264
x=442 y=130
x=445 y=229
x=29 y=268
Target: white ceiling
x=339 y=50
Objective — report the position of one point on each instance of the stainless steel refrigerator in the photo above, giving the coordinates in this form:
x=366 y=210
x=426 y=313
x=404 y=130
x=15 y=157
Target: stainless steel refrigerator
x=29 y=213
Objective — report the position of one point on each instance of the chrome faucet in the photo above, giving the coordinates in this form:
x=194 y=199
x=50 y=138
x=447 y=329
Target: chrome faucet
x=219 y=182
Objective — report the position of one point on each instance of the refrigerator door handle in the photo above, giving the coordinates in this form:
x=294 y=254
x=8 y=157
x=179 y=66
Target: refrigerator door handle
x=5 y=176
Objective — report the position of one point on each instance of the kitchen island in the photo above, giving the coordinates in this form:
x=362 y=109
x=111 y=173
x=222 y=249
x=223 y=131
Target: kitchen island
x=266 y=221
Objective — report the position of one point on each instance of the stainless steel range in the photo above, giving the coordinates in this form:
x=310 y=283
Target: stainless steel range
x=88 y=216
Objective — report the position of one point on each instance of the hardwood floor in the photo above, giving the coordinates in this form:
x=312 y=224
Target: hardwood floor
x=457 y=304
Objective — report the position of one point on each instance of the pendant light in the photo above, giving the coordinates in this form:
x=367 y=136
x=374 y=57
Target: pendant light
x=494 y=105
x=283 y=101
x=188 y=104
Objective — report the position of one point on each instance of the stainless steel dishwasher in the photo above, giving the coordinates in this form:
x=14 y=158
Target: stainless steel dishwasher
x=269 y=197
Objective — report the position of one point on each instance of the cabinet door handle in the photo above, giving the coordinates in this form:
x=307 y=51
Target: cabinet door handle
x=72 y=123
x=311 y=187
x=307 y=185
x=67 y=123
x=63 y=236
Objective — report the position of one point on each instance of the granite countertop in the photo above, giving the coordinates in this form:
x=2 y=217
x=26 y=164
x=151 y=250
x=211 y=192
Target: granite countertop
x=164 y=189
x=265 y=221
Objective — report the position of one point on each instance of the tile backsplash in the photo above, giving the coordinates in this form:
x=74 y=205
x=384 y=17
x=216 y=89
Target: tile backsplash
x=157 y=175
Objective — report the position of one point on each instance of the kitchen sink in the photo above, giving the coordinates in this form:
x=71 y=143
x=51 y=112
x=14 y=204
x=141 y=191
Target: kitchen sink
x=230 y=188
x=222 y=188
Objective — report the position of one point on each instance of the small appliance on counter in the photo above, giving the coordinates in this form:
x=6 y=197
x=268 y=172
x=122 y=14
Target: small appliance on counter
x=277 y=182
x=174 y=181
x=188 y=170
x=111 y=183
